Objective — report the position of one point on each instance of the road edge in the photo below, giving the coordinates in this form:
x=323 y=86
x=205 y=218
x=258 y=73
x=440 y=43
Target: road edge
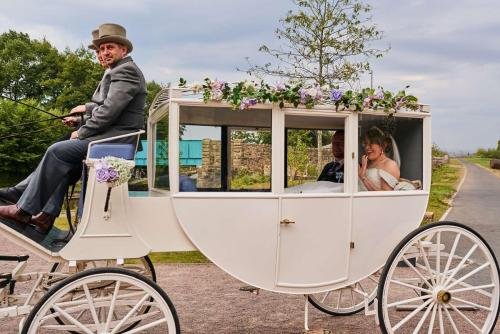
x=445 y=214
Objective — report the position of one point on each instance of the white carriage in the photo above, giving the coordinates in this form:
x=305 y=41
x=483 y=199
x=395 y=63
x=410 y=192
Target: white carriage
x=340 y=246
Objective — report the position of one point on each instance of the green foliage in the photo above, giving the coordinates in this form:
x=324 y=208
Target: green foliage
x=323 y=41
x=77 y=80
x=488 y=153
x=252 y=137
x=436 y=151
x=28 y=66
x=247 y=180
x=153 y=89
x=298 y=159
x=444 y=184
x=20 y=154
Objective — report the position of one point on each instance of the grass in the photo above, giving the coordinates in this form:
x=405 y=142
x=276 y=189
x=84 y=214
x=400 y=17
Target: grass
x=445 y=181
x=485 y=162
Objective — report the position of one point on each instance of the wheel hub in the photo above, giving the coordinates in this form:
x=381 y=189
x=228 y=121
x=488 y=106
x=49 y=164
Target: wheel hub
x=443 y=297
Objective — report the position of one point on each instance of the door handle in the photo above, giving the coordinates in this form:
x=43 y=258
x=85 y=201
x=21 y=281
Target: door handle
x=287 y=221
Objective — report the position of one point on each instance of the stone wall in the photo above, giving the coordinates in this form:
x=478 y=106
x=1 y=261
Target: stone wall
x=246 y=159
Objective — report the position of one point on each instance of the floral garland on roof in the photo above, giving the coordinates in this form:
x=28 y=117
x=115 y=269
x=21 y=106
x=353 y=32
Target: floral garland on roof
x=244 y=94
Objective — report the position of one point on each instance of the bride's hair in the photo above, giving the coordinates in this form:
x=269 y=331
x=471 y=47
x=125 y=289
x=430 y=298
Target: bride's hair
x=375 y=135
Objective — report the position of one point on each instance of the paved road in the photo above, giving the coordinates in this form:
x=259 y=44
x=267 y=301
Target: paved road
x=477 y=204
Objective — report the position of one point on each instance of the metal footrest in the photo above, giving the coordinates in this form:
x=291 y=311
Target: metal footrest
x=5 y=279
x=250 y=288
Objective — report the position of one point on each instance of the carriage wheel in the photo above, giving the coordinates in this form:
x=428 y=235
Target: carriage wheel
x=348 y=300
x=109 y=309
x=447 y=279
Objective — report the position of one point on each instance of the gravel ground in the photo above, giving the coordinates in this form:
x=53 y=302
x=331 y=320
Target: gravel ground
x=208 y=300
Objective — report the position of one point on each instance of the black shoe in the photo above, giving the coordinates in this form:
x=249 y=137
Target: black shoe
x=10 y=195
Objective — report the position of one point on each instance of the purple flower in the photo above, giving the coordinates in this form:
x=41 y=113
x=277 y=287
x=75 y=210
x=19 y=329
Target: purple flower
x=336 y=95
x=280 y=86
x=247 y=102
x=367 y=101
x=218 y=84
x=102 y=175
x=113 y=174
x=380 y=95
x=303 y=95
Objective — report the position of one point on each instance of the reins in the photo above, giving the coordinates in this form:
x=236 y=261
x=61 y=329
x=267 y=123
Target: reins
x=54 y=117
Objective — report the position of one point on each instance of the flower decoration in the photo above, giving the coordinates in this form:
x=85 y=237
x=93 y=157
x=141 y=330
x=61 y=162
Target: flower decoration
x=245 y=94
x=113 y=171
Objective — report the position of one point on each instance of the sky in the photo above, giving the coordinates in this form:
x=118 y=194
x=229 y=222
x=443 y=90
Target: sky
x=447 y=51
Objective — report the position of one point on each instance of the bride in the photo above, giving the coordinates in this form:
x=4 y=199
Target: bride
x=377 y=171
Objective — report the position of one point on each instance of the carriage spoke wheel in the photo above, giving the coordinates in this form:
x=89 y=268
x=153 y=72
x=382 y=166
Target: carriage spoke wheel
x=348 y=300
x=442 y=278
x=143 y=266
x=108 y=309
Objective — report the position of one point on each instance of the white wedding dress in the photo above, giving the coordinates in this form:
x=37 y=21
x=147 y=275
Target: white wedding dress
x=376 y=175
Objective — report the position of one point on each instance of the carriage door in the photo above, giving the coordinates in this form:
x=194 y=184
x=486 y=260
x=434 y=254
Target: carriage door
x=314 y=231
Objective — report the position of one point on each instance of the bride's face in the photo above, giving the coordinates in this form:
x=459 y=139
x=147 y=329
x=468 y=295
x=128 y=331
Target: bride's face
x=372 y=150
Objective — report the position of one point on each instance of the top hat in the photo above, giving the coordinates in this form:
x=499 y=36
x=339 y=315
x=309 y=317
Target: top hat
x=115 y=33
x=95 y=35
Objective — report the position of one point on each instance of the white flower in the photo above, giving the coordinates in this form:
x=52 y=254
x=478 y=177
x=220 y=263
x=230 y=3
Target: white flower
x=248 y=84
x=196 y=87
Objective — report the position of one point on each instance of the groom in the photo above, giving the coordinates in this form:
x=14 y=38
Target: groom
x=334 y=171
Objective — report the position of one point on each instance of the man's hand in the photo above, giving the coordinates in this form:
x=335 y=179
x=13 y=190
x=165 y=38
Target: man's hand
x=78 y=109
x=74 y=135
x=71 y=121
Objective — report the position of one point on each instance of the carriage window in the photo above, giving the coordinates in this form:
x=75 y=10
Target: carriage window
x=224 y=150
x=200 y=158
x=314 y=154
x=390 y=152
x=160 y=149
x=250 y=160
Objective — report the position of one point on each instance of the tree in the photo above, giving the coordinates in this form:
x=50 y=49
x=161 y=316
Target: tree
x=27 y=66
x=20 y=154
x=324 y=42
x=77 y=79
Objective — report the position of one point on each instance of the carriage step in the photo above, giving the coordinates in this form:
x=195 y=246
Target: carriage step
x=318 y=331
x=250 y=288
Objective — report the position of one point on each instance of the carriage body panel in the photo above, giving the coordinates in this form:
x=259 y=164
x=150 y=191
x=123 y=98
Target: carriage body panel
x=297 y=243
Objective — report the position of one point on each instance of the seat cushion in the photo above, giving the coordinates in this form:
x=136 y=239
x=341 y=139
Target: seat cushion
x=124 y=151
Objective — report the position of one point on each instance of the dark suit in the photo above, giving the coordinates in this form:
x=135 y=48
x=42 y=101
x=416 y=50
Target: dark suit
x=119 y=110
x=333 y=172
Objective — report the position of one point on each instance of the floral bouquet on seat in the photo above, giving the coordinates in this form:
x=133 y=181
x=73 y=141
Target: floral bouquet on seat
x=114 y=171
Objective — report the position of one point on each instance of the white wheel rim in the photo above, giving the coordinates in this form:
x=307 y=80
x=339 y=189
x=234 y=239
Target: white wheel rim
x=104 y=311
x=453 y=287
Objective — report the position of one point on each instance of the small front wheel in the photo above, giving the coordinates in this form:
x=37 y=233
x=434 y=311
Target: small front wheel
x=104 y=300
x=442 y=277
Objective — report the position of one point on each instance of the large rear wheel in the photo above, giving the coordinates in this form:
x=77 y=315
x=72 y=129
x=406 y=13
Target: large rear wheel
x=442 y=277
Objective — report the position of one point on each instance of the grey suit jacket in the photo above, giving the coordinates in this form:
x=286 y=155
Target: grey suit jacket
x=119 y=100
